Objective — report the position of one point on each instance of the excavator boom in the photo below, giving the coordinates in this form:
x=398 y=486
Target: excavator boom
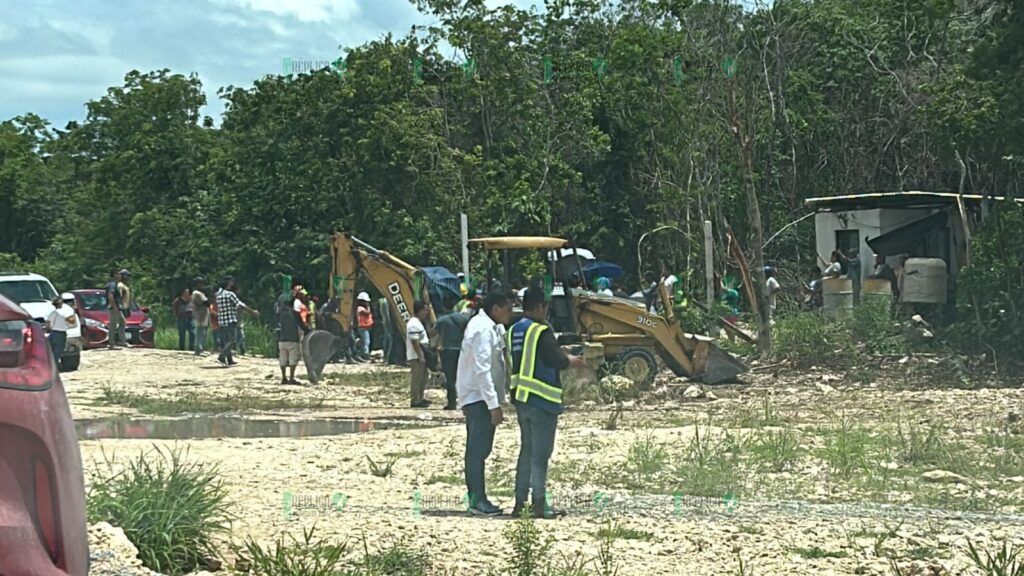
x=400 y=282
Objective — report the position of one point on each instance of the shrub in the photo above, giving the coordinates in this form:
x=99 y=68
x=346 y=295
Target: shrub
x=170 y=509
x=990 y=291
x=810 y=338
x=308 y=557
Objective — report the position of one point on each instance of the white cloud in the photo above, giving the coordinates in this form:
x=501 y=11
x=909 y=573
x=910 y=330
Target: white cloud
x=306 y=10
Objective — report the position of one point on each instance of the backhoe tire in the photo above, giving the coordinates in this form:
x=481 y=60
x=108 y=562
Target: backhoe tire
x=639 y=365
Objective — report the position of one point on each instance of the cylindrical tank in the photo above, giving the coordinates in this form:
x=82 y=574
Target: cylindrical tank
x=876 y=291
x=924 y=281
x=837 y=296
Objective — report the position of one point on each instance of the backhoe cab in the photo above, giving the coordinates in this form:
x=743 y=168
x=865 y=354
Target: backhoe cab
x=621 y=332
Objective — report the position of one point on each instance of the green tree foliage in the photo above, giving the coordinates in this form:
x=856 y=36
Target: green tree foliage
x=991 y=288
x=593 y=119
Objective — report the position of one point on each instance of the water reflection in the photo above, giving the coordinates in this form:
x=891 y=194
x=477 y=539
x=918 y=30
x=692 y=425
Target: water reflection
x=234 y=427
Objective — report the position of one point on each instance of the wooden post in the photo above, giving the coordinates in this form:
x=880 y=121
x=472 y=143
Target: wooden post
x=464 y=221
x=709 y=269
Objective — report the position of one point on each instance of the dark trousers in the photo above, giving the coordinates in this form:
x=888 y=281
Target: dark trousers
x=186 y=326
x=200 y=338
x=479 y=441
x=227 y=334
x=536 y=442
x=450 y=366
x=58 y=340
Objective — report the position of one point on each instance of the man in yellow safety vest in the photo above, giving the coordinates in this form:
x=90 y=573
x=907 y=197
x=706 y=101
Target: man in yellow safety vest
x=537 y=396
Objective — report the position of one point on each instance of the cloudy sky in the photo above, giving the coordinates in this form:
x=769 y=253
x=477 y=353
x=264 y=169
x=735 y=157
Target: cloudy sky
x=57 y=55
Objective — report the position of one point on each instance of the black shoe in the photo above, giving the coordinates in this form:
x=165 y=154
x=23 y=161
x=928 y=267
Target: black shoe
x=450 y=407
x=420 y=404
x=517 y=510
x=485 y=509
x=222 y=361
x=232 y=363
x=542 y=511
x=295 y=382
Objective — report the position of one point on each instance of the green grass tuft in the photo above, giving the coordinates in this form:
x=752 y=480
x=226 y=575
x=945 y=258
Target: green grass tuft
x=172 y=510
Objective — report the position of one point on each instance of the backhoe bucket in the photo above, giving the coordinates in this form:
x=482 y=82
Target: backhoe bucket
x=720 y=366
x=317 y=350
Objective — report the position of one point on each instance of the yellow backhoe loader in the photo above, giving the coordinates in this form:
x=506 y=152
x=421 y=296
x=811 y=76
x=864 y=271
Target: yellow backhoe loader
x=401 y=283
x=630 y=338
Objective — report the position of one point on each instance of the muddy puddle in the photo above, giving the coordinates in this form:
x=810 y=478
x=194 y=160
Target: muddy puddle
x=200 y=427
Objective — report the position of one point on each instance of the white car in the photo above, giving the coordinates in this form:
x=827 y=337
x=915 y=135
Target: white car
x=35 y=294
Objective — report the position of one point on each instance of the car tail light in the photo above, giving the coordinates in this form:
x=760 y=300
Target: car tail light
x=25 y=356
x=45 y=511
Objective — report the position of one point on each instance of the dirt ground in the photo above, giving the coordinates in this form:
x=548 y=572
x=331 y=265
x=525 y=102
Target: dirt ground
x=791 y=472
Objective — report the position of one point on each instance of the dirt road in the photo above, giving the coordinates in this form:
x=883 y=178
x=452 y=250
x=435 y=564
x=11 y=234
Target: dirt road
x=809 y=473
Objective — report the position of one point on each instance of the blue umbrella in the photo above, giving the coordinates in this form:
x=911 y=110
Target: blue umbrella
x=598 y=268
x=442 y=285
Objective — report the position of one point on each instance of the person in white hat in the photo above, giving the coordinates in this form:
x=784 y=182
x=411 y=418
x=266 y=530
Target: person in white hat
x=364 y=318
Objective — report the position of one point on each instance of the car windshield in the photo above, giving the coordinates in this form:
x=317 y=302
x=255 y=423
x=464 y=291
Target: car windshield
x=96 y=301
x=25 y=291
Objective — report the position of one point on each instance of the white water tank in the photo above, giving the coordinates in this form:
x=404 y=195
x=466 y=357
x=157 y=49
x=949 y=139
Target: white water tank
x=924 y=281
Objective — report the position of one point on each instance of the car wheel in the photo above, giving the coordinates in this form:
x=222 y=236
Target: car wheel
x=70 y=363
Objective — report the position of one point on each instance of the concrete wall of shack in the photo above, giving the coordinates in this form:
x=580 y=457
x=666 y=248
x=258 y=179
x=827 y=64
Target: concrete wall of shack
x=868 y=223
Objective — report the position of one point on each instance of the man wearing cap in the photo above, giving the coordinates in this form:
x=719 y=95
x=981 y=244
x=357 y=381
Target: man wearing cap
x=201 y=310
x=364 y=319
x=290 y=330
x=124 y=287
x=537 y=396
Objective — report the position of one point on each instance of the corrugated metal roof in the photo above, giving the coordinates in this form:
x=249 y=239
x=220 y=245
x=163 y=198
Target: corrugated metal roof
x=906 y=199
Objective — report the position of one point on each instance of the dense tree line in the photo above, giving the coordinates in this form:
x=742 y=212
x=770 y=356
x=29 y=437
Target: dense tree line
x=593 y=119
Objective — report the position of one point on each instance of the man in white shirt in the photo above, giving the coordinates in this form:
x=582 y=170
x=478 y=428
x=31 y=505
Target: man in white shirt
x=58 y=322
x=481 y=385
x=416 y=343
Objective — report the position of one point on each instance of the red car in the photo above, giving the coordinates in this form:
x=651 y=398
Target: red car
x=92 y=307
x=42 y=492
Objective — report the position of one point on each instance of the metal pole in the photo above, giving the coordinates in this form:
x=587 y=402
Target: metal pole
x=465 y=245
x=709 y=248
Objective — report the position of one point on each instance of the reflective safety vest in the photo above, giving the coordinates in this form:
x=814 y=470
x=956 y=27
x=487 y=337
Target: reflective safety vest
x=530 y=376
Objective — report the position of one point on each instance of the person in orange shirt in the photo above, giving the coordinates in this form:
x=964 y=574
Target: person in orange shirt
x=364 y=318
x=302 y=304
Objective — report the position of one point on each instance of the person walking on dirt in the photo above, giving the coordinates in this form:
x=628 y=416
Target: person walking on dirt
x=201 y=314
x=290 y=330
x=364 y=319
x=480 y=383
x=185 y=317
x=452 y=327
x=116 y=335
x=537 y=396
x=416 y=342
x=228 y=306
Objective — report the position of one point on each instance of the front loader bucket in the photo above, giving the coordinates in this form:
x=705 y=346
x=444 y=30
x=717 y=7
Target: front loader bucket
x=720 y=366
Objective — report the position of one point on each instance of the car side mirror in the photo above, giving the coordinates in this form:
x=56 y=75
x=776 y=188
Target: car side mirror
x=145 y=309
